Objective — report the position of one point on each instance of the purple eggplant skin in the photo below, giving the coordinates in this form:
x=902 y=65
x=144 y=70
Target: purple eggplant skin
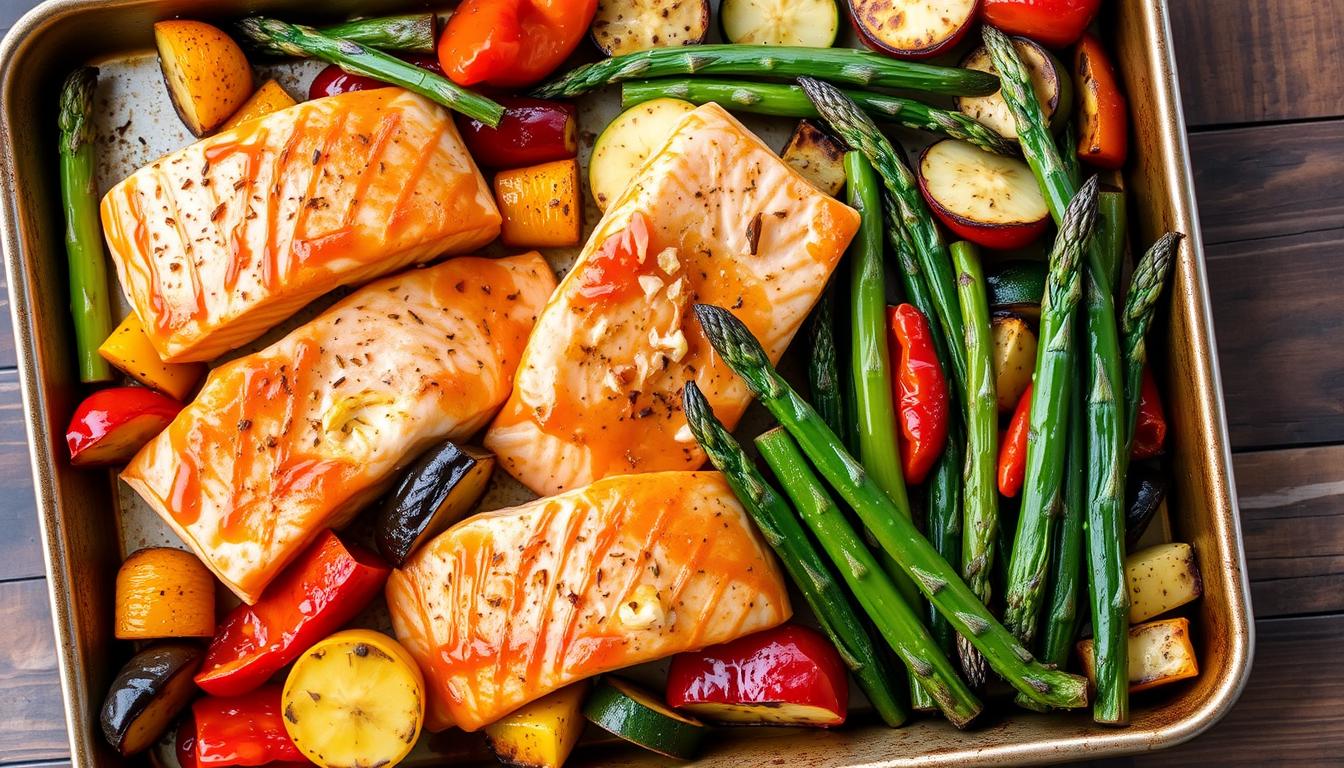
x=1146 y=488
x=148 y=694
x=439 y=489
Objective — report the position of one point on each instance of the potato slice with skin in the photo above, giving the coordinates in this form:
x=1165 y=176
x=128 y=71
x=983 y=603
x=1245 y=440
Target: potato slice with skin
x=270 y=97
x=354 y=699
x=1160 y=652
x=627 y=142
x=207 y=73
x=626 y=26
x=816 y=156
x=1160 y=579
x=1049 y=79
x=1014 y=360
x=540 y=734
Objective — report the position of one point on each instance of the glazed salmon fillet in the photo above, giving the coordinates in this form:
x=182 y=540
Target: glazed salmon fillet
x=714 y=216
x=217 y=242
x=510 y=605
x=287 y=442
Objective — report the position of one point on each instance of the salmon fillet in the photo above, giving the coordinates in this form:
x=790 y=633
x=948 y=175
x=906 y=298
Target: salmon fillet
x=217 y=242
x=510 y=605
x=287 y=442
x=715 y=217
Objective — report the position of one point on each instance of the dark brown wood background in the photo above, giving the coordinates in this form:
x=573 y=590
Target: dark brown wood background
x=1263 y=85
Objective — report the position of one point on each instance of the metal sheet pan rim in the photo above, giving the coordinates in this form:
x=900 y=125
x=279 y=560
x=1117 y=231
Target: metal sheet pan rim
x=59 y=568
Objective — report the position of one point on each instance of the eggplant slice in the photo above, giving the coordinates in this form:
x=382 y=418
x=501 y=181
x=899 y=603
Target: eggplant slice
x=150 y=691
x=436 y=491
x=1147 y=487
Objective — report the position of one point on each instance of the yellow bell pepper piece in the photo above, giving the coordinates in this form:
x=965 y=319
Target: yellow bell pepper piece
x=128 y=349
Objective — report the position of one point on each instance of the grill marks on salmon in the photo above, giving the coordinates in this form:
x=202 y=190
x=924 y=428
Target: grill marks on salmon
x=221 y=240
x=510 y=605
x=284 y=443
x=714 y=216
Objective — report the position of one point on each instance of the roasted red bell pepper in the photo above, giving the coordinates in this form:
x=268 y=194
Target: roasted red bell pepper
x=532 y=132
x=1013 y=448
x=920 y=390
x=1150 y=428
x=1103 y=133
x=320 y=591
x=333 y=80
x=112 y=424
x=511 y=43
x=185 y=743
x=612 y=274
x=242 y=730
x=789 y=675
x=1055 y=23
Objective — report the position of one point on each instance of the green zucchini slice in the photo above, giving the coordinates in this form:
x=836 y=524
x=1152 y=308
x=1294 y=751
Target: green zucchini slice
x=638 y=717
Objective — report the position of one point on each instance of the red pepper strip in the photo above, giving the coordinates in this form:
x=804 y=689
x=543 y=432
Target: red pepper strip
x=242 y=730
x=920 y=389
x=1150 y=428
x=323 y=589
x=511 y=43
x=788 y=675
x=1013 y=448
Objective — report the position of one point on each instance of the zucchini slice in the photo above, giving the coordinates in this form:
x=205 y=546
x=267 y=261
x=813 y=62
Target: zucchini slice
x=638 y=717
x=780 y=22
x=627 y=142
x=626 y=26
x=1017 y=287
x=439 y=489
x=816 y=156
x=147 y=694
x=1051 y=81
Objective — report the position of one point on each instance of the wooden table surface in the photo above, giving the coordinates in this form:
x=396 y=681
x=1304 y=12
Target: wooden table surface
x=1263 y=86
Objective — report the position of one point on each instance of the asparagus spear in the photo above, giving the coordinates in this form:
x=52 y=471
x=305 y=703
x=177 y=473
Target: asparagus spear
x=943 y=519
x=1110 y=232
x=823 y=369
x=871 y=365
x=1068 y=154
x=1150 y=276
x=804 y=565
x=910 y=215
x=980 y=498
x=1053 y=380
x=89 y=301
x=1106 y=460
x=358 y=59
x=874 y=588
x=890 y=526
x=783 y=100
x=841 y=65
x=413 y=33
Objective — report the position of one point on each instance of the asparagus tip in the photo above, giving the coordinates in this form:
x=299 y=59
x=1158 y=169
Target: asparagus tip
x=76 y=109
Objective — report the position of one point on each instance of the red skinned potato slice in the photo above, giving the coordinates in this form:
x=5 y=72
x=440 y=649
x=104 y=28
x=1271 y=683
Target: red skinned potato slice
x=626 y=26
x=1049 y=79
x=989 y=199
x=912 y=29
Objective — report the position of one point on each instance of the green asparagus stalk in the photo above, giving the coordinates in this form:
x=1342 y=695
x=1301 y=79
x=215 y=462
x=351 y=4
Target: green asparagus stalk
x=1055 y=373
x=1150 y=277
x=1110 y=232
x=841 y=65
x=943 y=519
x=359 y=59
x=804 y=564
x=1068 y=154
x=871 y=365
x=413 y=33
x=1106 y=459
x=90 y=303
x=910 y=215
x=1061 y=618
x=890 y=525
x=871 y=586
x=980 y=497
x=781 y=100
x=823 y=367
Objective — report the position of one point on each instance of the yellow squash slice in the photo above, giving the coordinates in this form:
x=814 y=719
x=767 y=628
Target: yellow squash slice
x=540 y=734
x=355 y=699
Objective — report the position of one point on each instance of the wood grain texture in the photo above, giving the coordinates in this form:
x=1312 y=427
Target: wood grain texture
x=30 y=691
x=20 y=541
x=1246 y=61
x=1292 y=517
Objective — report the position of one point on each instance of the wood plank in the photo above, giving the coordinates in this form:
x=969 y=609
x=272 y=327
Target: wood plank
x=1292 y=518
x=8 y=357
x=1278 y=305
x=1269 y=181
x=1292 y=712
x=30 y=691
x=20 y=544
x=1246 y=61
